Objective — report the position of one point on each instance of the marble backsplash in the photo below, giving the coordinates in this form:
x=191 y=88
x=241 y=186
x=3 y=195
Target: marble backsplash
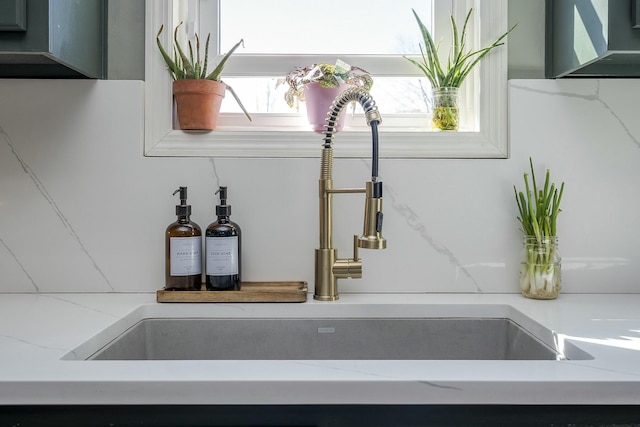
x=81 y=209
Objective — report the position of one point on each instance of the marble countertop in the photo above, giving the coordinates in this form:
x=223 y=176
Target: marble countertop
x=37 y=330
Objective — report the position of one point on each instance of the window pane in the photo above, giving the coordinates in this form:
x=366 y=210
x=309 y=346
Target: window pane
x=328 y=27
x=392 y=95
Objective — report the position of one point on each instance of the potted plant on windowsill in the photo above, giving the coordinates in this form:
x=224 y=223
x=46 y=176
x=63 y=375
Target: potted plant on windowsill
x=447 y=78
x=198 y=95
x=319 y=84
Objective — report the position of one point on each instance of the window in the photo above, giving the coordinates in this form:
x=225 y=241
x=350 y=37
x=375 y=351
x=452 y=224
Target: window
x=280 y=132
x=298 y=40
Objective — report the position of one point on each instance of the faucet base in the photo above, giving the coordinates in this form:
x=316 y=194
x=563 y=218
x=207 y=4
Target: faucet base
x=326 y=298
x=326 y=288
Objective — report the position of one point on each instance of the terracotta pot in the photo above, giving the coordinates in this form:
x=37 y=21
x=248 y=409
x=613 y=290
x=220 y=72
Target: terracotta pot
x=198 y=103
x=319 y=100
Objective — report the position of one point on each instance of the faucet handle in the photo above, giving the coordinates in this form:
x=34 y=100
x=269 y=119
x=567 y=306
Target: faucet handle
x=343 y=268
x=356 y=256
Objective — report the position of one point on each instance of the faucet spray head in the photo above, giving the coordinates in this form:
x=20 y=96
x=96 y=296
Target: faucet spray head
x=372 y=233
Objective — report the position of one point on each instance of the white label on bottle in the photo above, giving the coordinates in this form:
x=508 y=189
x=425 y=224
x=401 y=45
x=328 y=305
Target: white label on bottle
x=222 y=256
x=186 y=259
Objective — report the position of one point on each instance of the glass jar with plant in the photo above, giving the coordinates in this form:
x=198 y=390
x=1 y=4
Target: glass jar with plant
x=540 y=261
x=198 y=94
x=319 y=84
x=447 y=78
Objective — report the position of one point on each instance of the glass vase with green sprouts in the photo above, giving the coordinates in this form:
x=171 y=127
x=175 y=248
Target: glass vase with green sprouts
x=540 y=263
x=446 y=78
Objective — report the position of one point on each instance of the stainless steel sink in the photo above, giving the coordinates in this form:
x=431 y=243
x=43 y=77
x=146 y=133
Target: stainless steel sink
x=481 y=336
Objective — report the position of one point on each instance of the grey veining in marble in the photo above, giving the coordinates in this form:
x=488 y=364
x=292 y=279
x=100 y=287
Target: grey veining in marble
x=44 y=193
x=592 y=96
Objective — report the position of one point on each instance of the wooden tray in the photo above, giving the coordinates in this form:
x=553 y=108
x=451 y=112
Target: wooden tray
x=249 y=292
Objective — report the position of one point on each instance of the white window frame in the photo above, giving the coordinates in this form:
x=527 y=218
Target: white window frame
x=288 y=139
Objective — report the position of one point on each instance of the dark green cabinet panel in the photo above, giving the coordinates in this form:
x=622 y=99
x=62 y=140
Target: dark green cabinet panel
x=13 y=15
x=63 y=39
x=592 y=38
x=635 y=13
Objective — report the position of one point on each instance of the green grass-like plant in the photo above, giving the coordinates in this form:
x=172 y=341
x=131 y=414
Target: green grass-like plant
x=460 y=61
x=185 y=66
x=539 y=209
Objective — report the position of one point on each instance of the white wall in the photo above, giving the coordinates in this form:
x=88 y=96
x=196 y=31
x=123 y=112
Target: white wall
x=81 y=210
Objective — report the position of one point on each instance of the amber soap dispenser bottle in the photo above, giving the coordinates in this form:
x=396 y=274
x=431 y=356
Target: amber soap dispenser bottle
x=183 y=242
x=223 y=249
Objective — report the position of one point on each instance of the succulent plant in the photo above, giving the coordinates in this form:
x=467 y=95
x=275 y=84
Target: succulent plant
x=328 y=75
x=182 y=66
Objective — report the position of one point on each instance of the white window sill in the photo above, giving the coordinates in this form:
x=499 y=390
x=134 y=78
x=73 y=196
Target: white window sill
x=301 y=144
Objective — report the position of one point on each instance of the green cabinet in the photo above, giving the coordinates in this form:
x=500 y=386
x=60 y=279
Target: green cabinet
x=52 y=38
x=592 y=38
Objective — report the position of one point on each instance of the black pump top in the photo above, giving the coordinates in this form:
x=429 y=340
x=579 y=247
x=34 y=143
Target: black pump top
x=223 y=209
x=183 y=209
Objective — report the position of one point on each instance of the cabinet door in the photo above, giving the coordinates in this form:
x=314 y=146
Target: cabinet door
x=635 y=13
x=13 y=15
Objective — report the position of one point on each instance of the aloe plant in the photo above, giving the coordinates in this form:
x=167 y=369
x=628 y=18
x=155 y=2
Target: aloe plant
x=460 y=61
x=186 y=66
x=539 y=209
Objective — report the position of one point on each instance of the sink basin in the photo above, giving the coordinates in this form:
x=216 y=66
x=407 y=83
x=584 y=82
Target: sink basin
x=408 y=332
x=326 y=339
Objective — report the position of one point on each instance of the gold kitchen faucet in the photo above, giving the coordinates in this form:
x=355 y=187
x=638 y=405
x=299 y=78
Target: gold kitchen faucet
x=328 y=267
